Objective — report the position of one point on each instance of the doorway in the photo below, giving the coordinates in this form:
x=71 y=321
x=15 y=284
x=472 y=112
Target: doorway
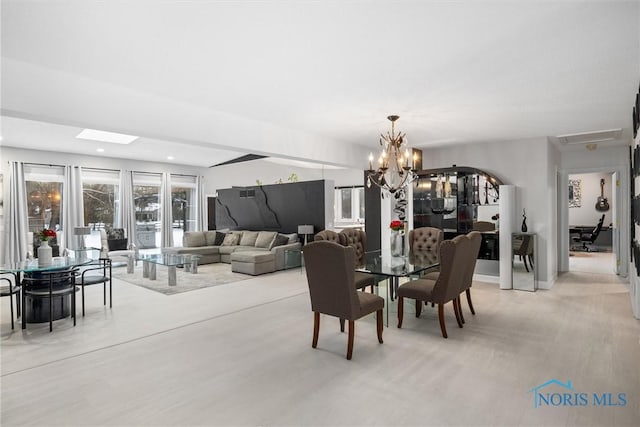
x=586 y=198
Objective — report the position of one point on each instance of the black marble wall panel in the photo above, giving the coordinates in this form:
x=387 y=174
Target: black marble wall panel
x=277 y=207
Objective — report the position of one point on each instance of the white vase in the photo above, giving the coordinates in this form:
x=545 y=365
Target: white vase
x=44 y=254
x=397 y=243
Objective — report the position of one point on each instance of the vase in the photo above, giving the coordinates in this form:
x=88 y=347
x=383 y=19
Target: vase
x=524 y=227
x=44 y=254
x=397 y=243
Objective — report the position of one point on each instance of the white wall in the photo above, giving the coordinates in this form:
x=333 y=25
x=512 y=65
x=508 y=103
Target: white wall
x=245 y=174
x=587 y=214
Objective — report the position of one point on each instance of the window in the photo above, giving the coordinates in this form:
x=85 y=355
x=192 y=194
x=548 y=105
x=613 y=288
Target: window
x=44 y=196
x=146 y=198
x=183 y=205
x=100 y=197
x=349 y=204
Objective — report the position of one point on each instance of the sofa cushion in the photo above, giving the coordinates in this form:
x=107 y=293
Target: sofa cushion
x=280 y=240
x=248 y=238
x=252 y=256
x=210 y=237
x=192 y=239
x=265 y=239
x=231 y=239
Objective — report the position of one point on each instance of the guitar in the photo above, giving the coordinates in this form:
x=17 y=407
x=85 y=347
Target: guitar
x=602 y=205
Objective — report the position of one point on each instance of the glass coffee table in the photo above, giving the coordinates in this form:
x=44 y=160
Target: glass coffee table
x=171 y=261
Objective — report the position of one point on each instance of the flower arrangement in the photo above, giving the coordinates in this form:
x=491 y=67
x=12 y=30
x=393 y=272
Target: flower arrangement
x=46 y=234
x=397 y=225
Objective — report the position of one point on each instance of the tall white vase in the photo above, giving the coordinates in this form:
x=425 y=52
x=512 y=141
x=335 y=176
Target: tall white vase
x=44 y=254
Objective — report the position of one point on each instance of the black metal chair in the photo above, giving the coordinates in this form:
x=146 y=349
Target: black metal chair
x=47 y=285
x=87 y=278
x=13 y=289
x=590 y=237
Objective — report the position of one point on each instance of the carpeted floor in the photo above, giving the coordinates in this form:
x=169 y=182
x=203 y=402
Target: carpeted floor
x=208 y=275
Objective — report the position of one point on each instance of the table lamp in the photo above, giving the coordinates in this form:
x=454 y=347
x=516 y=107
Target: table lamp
x=81 y=232
x=306 y=230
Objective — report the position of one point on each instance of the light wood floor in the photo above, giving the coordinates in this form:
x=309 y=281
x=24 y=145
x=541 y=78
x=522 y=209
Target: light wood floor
x=240 y=354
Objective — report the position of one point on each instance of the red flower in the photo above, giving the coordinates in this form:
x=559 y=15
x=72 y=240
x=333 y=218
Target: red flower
x=46 y=234
x=396 y=225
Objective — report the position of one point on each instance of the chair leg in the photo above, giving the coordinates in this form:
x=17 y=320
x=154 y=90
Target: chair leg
x=456 y=311
x=400 y=311
x=468 y=291
x=341 y=325
x=441 y=318
x=18 y=297
x=379 y=325
x=11 y=303
x=418 y=308
x=316 y=328
x=82 y=286
x=352 y=332
x=460 y=309
x=525 y=263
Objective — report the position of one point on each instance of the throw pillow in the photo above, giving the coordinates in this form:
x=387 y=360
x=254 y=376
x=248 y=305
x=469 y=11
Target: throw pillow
x=280 y=240
x=192 y=239
x=249 y=238
x=219 y=238
x=231 y=239
x=265 y=239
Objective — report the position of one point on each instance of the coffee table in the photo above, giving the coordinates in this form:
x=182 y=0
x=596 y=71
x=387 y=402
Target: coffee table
x=171 y=261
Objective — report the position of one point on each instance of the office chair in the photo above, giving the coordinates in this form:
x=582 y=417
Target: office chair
x=589 y=238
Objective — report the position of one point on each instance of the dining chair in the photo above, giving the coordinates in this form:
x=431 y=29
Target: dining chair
x=94 y=274
x=423 y=245
x=329 y=236
x=12 y=288
x=472 y=249
x=330 y=276
x=50 y=285
x=357 y=239
x=445 y=288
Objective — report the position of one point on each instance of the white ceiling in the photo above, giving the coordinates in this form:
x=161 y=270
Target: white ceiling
x=310 y=80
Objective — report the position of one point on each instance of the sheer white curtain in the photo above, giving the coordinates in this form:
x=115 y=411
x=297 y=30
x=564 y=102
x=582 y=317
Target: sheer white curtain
x=17 y=222
x=126 y=215
x=166 y=217
x=72 y=205
x=201 y=205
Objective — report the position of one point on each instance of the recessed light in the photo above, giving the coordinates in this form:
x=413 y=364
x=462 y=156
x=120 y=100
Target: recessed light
x=100 y=150
x=169 y=157
x=104 y=136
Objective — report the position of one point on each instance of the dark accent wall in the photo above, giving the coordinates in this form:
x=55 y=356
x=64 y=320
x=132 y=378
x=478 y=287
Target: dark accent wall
x=372 y=215
x=277 y=207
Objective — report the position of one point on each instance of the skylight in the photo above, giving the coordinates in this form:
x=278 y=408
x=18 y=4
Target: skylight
x=104 y=136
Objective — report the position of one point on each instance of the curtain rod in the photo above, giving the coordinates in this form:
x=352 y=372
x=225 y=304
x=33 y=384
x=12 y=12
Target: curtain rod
x=101 y=169
x=159 y=173
x=42 y=164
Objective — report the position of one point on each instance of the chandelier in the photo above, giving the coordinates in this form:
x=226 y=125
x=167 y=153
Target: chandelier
x=395 y=168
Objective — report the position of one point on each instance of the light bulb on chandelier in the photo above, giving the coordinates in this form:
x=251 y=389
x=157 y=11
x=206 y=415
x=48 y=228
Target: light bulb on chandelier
x=395 y=169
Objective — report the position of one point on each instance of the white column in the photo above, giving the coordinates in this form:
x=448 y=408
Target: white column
x=508 y=225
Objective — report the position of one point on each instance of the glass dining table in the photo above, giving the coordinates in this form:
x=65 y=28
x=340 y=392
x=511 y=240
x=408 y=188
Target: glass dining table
x=32 y=307
x=386 y=267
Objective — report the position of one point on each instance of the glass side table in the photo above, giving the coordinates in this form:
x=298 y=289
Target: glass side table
x=293 y=258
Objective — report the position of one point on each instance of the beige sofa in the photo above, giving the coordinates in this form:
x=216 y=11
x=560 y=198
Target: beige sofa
x=215 y=246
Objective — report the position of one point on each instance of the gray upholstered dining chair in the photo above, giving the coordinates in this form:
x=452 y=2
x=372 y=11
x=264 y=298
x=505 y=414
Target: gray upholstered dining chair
x=445 y=288
x=473 y=249
x=330 y=272
x=357 y=239
x=329 y=236
x=425 y=239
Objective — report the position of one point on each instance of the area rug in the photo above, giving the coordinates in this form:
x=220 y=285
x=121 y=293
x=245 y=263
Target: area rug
x=208 y=275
